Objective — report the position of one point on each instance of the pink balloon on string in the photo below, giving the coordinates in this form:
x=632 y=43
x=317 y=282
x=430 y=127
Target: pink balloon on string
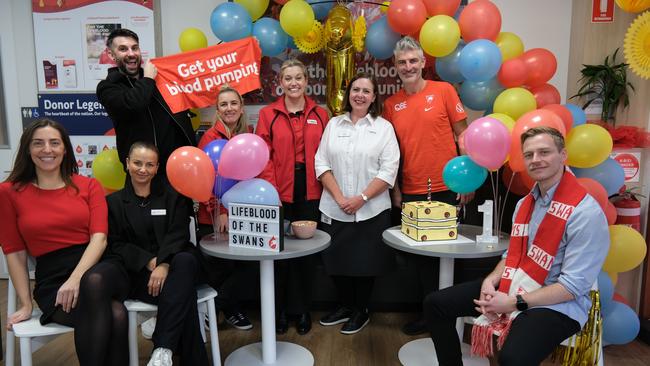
x=243 y=157
x=487 y=142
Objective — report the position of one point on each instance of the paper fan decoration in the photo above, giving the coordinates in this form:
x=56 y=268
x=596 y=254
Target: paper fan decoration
x=637 y=45
x=313 y=41
x=359 y=36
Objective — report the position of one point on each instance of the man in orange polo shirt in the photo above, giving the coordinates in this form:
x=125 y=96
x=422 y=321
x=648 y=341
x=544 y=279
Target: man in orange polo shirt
x=427 y=116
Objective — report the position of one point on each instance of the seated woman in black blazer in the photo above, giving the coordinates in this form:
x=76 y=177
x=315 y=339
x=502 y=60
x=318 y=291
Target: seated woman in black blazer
x=148 y=228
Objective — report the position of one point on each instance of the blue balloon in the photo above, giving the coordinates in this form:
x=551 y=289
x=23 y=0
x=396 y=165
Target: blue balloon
x=254 y=191
x=230 y=22
x=214 y=150
x=272 y=38
x=462 y=175
x=222 y=185
x=448 y=67
x=480 y=60
x=609 y=173
x=381 y=39
x=291 y=43
x=579 y=116
x=606 y=288
x=480 y=95
x=321 y=10
x=620 y=325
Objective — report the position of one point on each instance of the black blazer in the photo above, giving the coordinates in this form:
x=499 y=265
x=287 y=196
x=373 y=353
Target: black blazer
x=127 y=236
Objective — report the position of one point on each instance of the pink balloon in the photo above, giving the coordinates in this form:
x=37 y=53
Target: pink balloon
x=191 y=173
x=243 y=157
x=487 y=142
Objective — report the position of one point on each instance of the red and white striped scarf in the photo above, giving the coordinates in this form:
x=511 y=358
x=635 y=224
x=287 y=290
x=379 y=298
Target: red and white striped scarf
x=526 y=268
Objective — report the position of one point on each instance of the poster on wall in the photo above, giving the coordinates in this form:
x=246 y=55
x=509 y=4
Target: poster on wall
x=86 y=149
x=70 y=39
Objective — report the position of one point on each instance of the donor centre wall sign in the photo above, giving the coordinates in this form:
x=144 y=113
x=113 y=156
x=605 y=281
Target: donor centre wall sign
x=255 y=226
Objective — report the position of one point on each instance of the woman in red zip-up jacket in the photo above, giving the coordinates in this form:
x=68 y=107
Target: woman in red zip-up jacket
x=292 y=126
x=231 y=121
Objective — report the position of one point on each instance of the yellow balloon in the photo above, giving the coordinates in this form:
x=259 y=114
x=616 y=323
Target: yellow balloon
x=108 y=170
x=613 y=276
x=192 y=39
x=439 y=35
x=627 y=249
x=297 y=18
x=505 y=119
x=255 y=8
x=633 y=6
x=510 y=45
x=514 y=102
x=588 y=145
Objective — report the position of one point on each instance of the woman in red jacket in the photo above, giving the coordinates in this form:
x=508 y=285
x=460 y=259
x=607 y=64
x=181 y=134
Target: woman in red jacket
x=231 y=121
x=292 y=127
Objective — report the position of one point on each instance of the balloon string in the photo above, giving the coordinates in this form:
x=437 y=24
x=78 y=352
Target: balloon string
x=339 y=1
x=512 y=178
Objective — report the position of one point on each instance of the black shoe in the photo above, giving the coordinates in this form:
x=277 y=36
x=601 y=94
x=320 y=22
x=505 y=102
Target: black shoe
x=303 y=324
x=415 y=327
x=238 y=320
x=282 y=323
x=338 y=316
x=358 y=320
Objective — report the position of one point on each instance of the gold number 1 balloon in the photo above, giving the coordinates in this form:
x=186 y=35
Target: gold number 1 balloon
x=339 y=56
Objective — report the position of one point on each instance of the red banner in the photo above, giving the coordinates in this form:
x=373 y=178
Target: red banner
x=193 y=79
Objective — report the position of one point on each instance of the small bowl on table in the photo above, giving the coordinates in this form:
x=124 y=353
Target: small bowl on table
x=303 y=229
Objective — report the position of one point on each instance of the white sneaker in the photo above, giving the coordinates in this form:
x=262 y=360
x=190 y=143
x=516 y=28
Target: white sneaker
x=147 y=327
x=161 y=357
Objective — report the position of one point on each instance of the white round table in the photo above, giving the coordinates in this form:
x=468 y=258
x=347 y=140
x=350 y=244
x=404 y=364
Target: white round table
x=421 y=351
x=267 y=352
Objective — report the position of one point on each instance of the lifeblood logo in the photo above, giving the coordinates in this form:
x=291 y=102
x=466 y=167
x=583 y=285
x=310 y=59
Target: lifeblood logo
x=272 y=243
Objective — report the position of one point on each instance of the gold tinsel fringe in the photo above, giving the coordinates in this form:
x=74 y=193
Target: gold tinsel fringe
x=583 y=349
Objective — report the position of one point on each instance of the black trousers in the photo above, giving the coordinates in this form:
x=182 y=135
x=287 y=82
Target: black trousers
x=177 y=324
x=354 y=292
x=534 y=333
x=293 y=277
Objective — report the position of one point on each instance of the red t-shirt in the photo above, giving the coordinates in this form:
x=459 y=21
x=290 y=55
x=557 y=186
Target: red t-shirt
x=297 y=123
x=422 y=123
x=43 y=221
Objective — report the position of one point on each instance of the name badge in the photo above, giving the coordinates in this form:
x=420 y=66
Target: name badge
x=312 y=122
x=158 y=212
x=325 y=219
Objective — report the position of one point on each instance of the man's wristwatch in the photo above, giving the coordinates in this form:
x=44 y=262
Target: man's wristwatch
x=364 y=197
x=521 y=303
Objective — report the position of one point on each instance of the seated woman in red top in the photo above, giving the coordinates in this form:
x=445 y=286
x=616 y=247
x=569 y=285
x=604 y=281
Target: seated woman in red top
x=231 y=121
x=59 y=217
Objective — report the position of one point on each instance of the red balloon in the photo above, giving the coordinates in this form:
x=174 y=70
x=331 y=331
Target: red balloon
x=441 y=7
x=535 y=118
x=541 y=65
x=513 y=73
x=480 y=19
x=191 y=173
x=619 y=298
x=406 y=16
x=545 y=94
x=521 y=184
x=611 y=214
x=562 y=112
x=596 y=190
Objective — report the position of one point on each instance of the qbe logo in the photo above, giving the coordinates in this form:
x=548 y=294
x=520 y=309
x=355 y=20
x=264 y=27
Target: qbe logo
x=400 y=106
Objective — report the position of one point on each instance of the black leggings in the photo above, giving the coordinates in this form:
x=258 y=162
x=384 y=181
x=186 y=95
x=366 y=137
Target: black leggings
x=100 y=319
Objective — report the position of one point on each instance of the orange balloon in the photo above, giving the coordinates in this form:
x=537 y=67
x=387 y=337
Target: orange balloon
x=610 y=213
x=521 y=184
x=534 y=118
x=545 y=94
x=562 y=112
x=596 y=190
x=441 y=7
x=406 y=16
x=541 y=65
x=191 y=173
x=512 y=73
x=480 y=20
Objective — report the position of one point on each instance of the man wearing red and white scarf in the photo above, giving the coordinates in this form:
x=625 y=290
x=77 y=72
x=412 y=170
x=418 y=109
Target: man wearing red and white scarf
x=538 y=295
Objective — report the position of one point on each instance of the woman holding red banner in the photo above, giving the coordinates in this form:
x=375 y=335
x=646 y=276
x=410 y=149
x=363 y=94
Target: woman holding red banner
x=231 y=121
x=292 y=126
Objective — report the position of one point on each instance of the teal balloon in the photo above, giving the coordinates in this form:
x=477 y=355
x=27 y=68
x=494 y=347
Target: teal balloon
x=448 y=67
x=578 y=114
x=291 y=43
x=254 y=191
x=381 y=39
x=271 y=37
x=321 y=10
x=620 y=325
x=609 y=173
x=480 y=95
x=606 y=289
x=480 y=60
x=230 y=22
x=462 y=175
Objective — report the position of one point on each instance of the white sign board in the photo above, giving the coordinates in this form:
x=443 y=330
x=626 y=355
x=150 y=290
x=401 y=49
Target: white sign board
x=255 y=227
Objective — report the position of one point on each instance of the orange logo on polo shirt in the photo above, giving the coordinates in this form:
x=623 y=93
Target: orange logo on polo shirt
x=560 y=210
x=400 y=106
x=539 y=256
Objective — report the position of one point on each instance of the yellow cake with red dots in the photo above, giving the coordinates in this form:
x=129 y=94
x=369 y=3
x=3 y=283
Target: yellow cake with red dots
x=429 y=220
